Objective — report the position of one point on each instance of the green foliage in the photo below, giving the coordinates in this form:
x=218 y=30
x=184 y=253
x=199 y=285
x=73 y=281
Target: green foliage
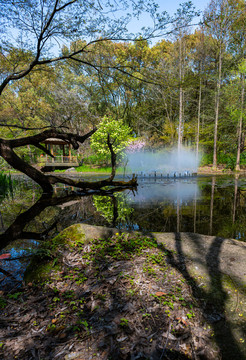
x=14 y=296
x=7 y=184
x=121 y=247
x=79 y=91
x=119 y=138
x=105 y=206
x=3 y=303
x=124 y=322
x=94 y=159
x=227 y=159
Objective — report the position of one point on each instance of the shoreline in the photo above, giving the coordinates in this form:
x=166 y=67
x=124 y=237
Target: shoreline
x=206 y=170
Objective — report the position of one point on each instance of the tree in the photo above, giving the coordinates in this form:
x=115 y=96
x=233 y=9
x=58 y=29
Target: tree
x=110 y=140
x=218 y=18
x=238 y=49
x=184 y=20
x=38 y=26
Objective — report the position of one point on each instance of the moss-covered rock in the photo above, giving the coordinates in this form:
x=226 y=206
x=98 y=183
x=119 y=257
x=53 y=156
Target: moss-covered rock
x=46 y=263
x=39 y=272
x=73 y=235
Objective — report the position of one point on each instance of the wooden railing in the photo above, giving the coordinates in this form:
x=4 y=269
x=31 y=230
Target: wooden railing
x=62 y=159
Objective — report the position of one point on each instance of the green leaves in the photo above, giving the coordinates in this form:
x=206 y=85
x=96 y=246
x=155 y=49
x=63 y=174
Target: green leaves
x=119 y=137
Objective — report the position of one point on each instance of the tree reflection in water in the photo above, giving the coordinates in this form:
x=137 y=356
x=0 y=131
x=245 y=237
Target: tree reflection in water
x=22 y=227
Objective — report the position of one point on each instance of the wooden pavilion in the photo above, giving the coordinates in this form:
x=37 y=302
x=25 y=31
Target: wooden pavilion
x=64 y=161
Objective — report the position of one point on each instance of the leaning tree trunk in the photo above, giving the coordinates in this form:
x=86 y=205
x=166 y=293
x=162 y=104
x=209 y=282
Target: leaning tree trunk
x=46 y=181
x=7 y=152
x=113 y=158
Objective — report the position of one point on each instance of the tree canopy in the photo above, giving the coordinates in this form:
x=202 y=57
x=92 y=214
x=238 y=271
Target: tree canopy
x=67 y=64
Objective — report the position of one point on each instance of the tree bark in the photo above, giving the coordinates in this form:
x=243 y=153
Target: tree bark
x=180 y=95
x=217 y=104
x=198 y=119
x=240 y=124
x=113 y=158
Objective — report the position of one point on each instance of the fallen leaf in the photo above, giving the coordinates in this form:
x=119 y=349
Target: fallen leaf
x=160 y=293
x=5 y=256
x=182 y=320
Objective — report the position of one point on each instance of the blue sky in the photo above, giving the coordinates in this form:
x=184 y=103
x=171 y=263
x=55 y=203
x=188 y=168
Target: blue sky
x=171 y=5
x=166 y=5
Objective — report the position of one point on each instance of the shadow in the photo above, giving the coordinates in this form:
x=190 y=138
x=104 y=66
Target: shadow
x=97 y=316
x=212 y=302
x=110 y=313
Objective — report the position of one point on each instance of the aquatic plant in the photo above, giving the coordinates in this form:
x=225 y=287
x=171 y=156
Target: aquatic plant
x=6 y=185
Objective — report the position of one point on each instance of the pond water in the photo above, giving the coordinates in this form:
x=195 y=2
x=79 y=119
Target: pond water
x=204 y=204
x=210 y=205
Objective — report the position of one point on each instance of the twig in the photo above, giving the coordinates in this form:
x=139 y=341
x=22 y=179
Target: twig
x=8 y=274
x=168 y=333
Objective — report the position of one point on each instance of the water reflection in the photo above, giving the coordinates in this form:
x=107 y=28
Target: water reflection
x=206 y=205
x=175 y=190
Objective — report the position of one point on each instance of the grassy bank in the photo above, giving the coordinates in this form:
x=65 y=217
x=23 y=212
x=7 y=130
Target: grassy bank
x=96 y=170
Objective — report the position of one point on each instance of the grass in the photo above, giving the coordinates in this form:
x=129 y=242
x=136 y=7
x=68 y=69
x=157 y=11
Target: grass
x=96 y=170
x=88 y=168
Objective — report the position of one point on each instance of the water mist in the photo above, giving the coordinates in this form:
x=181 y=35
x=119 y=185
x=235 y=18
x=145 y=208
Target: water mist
x=173 y=163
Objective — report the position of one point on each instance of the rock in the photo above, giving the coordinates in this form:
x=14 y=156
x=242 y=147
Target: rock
x=74 y=356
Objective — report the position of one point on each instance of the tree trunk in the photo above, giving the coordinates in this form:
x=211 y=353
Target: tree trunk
x=17 y=163
x=198 y=120
x=240 y=124
x=217 y=104
x=47 y=181
x=113 y=158
x=180 y=96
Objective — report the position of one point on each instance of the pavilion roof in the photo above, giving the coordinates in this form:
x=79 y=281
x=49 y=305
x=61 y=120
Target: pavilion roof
x=55 y=141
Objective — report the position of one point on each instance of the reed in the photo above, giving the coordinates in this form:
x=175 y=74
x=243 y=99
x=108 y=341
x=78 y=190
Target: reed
x=6 y=185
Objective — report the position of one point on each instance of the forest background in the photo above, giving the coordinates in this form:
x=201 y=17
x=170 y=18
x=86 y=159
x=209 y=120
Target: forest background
x=186 y=89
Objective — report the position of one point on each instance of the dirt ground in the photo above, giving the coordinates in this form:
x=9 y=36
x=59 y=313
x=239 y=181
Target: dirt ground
x=128 y=296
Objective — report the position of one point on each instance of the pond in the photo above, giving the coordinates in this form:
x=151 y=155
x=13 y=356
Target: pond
x=204 y=204
x=210 y=205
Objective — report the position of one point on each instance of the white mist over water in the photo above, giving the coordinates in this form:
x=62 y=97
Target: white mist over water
x=163 y=162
